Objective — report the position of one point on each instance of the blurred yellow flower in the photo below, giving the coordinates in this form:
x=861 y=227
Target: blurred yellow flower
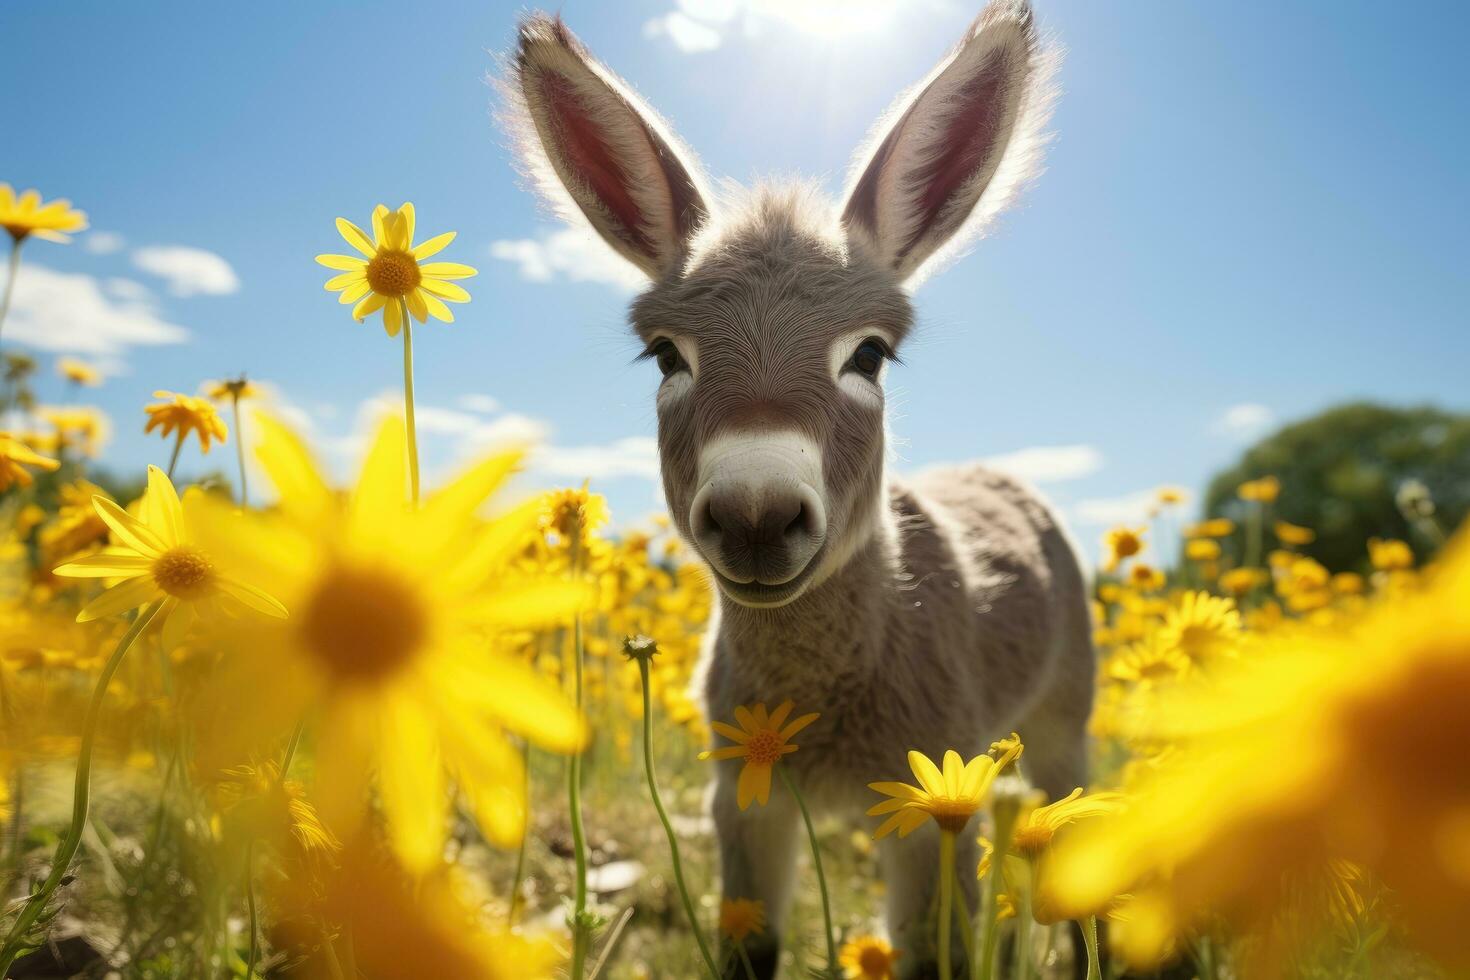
x=78 y=372
x=185 y=414
x=1239 y=581
x=741 y=918
x=15 y=456
x=1121 y=543
x=1215 y=527
x=81 y=426
x=231 y=389
x=1293 y=534
x=391 y=275
x=951 y=796
x=1169 y=496
x=1201 y=626
x=1036 y=829
x=1202 y=549
x=1146 y=578
x=394 y=610
x=25 y=215
x=867 y=958
x=1150 y=661
x=156 y=558
x=1348 y=583
x=762 y=741
x=1390 y=554
x=1264 y=490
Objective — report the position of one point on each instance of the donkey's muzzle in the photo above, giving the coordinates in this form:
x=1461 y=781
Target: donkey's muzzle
x=756 y=520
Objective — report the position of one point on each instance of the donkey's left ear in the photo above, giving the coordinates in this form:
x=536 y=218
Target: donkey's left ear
x=959 y=146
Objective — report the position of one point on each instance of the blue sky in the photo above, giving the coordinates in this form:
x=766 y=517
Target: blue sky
x=1251 y=211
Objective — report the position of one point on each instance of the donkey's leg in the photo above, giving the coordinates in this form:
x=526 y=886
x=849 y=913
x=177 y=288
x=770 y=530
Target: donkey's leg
x=757 y=861
x=911 y=876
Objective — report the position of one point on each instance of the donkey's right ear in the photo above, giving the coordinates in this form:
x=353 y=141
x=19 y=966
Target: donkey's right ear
x=585 y=136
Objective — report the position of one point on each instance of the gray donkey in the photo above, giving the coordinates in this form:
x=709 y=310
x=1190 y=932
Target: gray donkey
x=933 y=614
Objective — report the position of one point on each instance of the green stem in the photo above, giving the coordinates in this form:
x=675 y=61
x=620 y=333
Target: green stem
x=1024 y=920
x=515 y=887
x=946 y=899
x=173 y=460
x=745 y=961
x=254 y=916
x=1089 y=936
x=962 y=917
x=10 y=280
x=663 y=816
x=811 y=834
x=580 y=931
x=240 y=452
x=413 y=434
x=81 y=797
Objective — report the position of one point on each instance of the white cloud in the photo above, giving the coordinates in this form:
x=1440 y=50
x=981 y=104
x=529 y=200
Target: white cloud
x=483 y=404
x=1049 y=464
x=574 y=254
x=1244 y=420
x=103 y=242
x=1130 y=508
x=188 y=271
x=686 y=33
x=129 y=289
x=60 y=311
x=635 y=456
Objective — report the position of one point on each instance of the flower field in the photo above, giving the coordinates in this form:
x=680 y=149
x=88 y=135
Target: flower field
x=396 y=728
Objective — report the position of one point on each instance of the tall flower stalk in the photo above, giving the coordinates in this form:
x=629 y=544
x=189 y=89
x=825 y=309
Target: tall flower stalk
x=811 y=835
x=581 y=922
x=23 y=216
x=642 y=649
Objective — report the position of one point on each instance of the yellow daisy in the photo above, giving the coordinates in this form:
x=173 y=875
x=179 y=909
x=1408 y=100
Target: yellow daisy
x=951 y=796
x=1037 y=829
x=1294 y=534
x=1148 y=662
x=391 y=644
x=762 y=742
x=1202 y=549
x=157 y=559
x=78 y=372
x=867 y=958
x=1215 y=527
x=1390 y=554
x=81 y=426
x=1239 y=581
x=741 y=918
x=25 y=215
x=1201 y=626
x=15 y=456
x=1264 y=490
x=231 y=389
x=1121 y=543
x=391 y=275
x=185 y=414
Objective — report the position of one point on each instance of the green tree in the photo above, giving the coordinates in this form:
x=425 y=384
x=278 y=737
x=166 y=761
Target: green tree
x=1341 y=470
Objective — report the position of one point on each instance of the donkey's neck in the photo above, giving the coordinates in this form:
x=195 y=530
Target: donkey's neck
x=834 y=634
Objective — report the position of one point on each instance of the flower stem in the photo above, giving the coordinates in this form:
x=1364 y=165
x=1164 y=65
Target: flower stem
x=413 y=434
x=173 y=460
x=15 y=940
x=745 y=961
x=1089 y=936
x=811 y=834
x=663 y=816
x=946 y=898
x=10 y=280
x=254 y=915
x=515 y=887
x=240 y=452
x=580 y=931
x=1023 y=937
x=962 y=918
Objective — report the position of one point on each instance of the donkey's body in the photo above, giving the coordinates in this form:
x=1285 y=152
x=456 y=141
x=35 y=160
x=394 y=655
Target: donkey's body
x=931 y=616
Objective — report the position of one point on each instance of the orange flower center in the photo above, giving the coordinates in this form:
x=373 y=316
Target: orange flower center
x=951 y=815
x=764 y=747
x=393 y=273
x=183 y=571
x=363 y=623
x=873 y=962
x=17 y=231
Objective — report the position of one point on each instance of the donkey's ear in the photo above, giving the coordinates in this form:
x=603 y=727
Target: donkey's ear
x=589 y=142
x=956 y=148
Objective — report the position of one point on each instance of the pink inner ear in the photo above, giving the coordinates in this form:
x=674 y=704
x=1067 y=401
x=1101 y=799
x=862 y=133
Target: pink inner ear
x=967 y=145
x=587 y=153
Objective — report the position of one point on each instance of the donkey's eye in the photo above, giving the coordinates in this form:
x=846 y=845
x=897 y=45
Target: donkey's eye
x=668 y=357
x=869 y=358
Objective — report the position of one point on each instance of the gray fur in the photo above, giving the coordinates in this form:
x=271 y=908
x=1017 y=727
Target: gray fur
x=938 y=615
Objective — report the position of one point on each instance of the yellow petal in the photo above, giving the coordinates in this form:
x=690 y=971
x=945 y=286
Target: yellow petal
x=446 y=511
x=355 y=237
x=120 y=598
x=487 y=550
x=403 y=240
x=730 y=731
x=746 y=718
x=415 y=303
x=435 y=307
x=779 y=715
x=719 y=755
x=512 y=693
x=488 y=771
x=927 y=773
x=347 y=736
x=104 y=566
x=540 y=604
x=411 y=784
x=393 y=316
x=354 y=292
x=252 y=597
x=954 y=770
x=754 y=785
x=380 y=225
x=445 y=290
x=289 y=465
x=433 y=246
x=129 y=531
x=380 y=498
x=797 y=725
x=346 y=263
x=371 y=303
x=162 y=511
x=446 y=270
x=344 y=280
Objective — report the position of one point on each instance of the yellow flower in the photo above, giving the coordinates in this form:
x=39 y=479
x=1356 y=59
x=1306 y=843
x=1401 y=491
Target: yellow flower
x=78 y=372
x=157 y=559
x=1348 y=583
x=1201 y=626
x=1294 y=534
x=762 y=742
x=1169 y=496
x=231 y=389
x=867 y=958
x=390 y=646
x=987 y=853
x=79 y=425
x=1265 y=490
x=1036 y=830
x=1005 y=907
x=1119 y=544
x=1215 y=527
x=15 y=456
x=951 y=796
x=26 y=216
x=1239 y=581
x=1146 y=578
x=1008 y=749
x=564 y=508
x=1390 y=554
x=186 y=414
x=1202 y=549
x=391 y=275
x=1148 y=662
x=742 y=917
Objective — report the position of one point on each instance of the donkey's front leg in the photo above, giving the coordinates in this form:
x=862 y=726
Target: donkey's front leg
x=757 y=861
x=911 y=876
